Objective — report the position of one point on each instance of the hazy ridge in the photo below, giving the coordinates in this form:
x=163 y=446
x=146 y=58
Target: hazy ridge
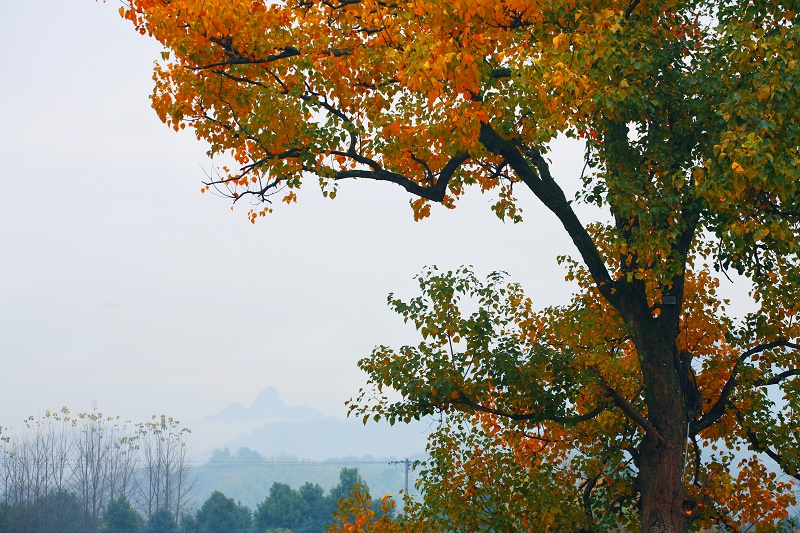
x=242 y=451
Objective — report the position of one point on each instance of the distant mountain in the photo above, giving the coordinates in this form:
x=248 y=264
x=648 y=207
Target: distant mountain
x=322 y=439
x=271 y=427
x=247 y=477
x=268 y=407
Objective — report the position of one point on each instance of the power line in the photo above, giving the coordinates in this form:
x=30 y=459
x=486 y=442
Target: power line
x=407 y=464
x=288 y=464
x=224 y=465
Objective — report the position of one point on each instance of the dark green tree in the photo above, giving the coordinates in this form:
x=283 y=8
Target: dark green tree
x=220 y=514
x=188 y=523
x=306 y=510
x=162 y=521
x=62 y=511
x=246 y=455
x=57 y=512
x=321 y=509
x=121 y=516
x=283 y=508
x=349 y=478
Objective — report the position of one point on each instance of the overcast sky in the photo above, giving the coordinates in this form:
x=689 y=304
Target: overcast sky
x=122 y=285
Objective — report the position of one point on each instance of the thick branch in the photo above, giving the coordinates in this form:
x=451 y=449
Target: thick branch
x=690 y=216
x=288 y=51
x=775 y=380
x=719 y=408
x=435 y=193
x=534 y=171
x=633 y=414
x=500 y=73
x=763 y=447
x=566 y=420
x=587 y=496
x=631 y=7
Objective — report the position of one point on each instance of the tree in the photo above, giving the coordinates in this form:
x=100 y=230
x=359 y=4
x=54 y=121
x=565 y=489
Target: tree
x=162 y=521
x=529 y=434
x=688 y=118
x=320 y=508
x=60 y=472
x=358 y=513
x=103 y=458
x=188 y=523
x=57 y=512
x=349 y=479
x=219 y=514
x=37 y=474
x=306 y=510
x=165 y=480
x=121 y=516
x=283 y=508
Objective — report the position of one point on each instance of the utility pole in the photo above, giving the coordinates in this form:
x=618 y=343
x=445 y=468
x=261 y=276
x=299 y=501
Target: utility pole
x=407 y=464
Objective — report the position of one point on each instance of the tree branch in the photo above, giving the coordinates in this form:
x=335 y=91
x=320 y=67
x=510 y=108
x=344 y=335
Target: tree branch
x=633 y=414
x=690 y=217
x=720 y=406
x=631 y=7
x=435 y=193
x=763 y=447
x=288 y=51
x=775 y=380
x=498 y=73
x=534 y=171
x=587 y=496
x=566 y=420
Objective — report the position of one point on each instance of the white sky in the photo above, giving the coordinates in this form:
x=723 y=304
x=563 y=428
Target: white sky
x=122 y=285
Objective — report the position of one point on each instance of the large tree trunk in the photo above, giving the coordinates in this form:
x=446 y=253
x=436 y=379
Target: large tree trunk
x=665 y=506
x=664 y=502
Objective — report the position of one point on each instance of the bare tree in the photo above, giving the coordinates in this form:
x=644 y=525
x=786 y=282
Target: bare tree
x=165 y=480
x=56 y=434
x=37 y=472
x=121 y=459
x=91 y=465
x=61 y=468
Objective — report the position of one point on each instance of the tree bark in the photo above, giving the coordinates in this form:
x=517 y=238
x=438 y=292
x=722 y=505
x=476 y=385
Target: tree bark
x=661 y=464
x=665 y=505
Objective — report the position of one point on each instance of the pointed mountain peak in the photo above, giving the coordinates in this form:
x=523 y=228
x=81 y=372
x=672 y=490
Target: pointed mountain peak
x=268 y=401
x=268 y=407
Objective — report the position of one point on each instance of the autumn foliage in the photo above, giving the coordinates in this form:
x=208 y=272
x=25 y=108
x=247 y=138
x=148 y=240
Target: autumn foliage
x=607 y=411
x=536 y=430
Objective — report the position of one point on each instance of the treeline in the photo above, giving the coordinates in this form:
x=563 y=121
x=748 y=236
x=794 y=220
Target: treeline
x=245 y=475
x=62 y=472
x=90 y=472
x=305 y=510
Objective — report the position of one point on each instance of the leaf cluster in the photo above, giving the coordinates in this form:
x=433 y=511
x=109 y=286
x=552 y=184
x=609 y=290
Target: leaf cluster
x=534 y=413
